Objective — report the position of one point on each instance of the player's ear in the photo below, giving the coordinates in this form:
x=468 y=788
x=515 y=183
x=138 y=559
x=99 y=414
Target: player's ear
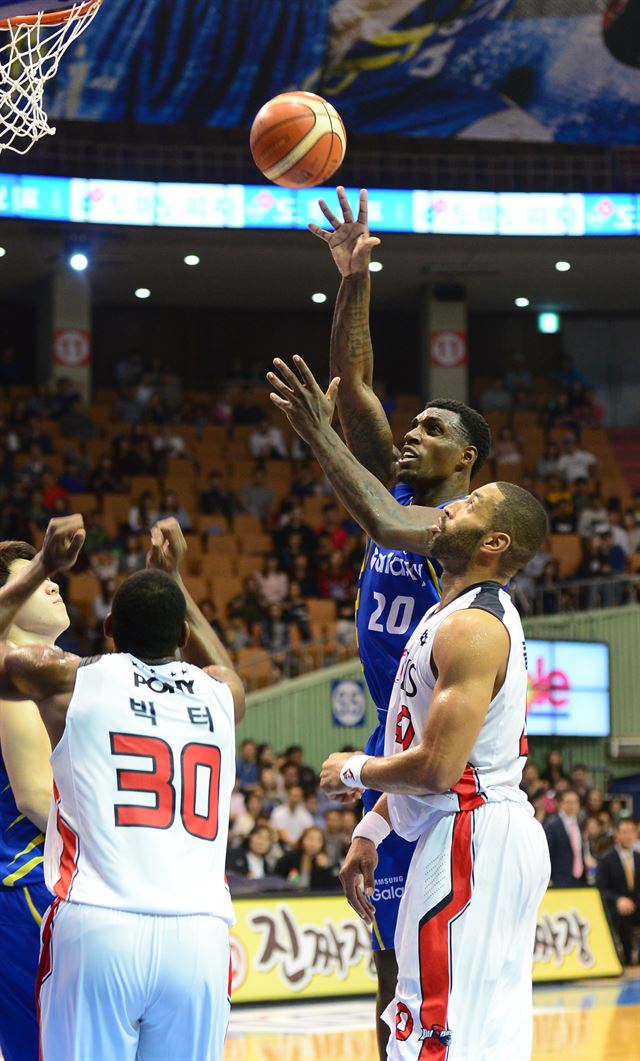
x=469 y=456
x=108 y=626
x=497 y=543
x=184 y=634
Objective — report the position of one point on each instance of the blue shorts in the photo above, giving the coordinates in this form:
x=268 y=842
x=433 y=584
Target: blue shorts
x=394 y=856
x=21 y=911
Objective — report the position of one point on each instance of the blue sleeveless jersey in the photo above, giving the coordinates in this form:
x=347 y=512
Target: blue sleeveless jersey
x=395 y=589
x=21 y=843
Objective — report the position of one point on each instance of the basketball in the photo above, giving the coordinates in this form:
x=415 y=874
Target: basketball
x=298 y=140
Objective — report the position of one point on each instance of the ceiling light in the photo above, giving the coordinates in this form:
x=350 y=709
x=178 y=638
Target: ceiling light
x=78 y=261
x=521 y=302
x=192 y=259
x=2 y=252
x=563 y=267
x=375 y=267
x=319 y=297
x=142 y=292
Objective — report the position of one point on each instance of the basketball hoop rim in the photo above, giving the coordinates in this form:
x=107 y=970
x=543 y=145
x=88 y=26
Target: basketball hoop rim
x=51 y=18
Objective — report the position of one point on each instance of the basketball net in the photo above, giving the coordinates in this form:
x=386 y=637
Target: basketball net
x=28 y=59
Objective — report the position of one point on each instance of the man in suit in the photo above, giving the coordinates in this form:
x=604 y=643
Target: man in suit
x=566 y=847
x=618 y=878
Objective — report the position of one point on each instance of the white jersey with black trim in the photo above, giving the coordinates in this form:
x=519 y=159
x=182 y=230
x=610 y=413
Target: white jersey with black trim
x=494 y=770
x=143 y=777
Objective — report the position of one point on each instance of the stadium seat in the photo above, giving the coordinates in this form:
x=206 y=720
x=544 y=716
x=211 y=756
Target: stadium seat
x=567 y=550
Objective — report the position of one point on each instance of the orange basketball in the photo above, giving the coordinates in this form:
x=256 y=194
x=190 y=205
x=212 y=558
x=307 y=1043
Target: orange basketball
x=298 y=140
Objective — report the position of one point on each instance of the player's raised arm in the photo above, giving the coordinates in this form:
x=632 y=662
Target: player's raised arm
x=362 y=417
x=470 y=653
x=310 y=412
x=47 y=675
x=204 y=648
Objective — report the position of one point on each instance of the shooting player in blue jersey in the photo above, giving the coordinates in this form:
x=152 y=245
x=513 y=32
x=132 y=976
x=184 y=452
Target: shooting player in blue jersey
x=31 y=612
x=445 y=444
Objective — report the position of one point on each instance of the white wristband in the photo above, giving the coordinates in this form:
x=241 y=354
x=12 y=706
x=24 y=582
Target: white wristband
x=350 y=773
x=372 y=827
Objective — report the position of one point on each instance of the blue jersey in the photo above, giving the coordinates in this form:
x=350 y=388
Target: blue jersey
x=21 y=842
x=395 y=590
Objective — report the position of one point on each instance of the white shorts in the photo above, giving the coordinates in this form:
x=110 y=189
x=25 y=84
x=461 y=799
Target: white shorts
x=465 y=938
x=118 y=986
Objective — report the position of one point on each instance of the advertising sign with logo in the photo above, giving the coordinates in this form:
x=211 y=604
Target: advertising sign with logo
x=71 y=347
x=448 y=349
x=348 y=703
x=304 y=947
x=568 y=692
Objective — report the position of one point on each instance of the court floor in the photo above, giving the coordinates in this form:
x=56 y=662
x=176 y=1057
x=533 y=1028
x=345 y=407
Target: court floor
x=591 y=1021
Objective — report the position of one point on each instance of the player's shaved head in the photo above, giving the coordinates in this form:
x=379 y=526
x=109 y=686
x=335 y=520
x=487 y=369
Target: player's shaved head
x=523 y=518
x=147 y=615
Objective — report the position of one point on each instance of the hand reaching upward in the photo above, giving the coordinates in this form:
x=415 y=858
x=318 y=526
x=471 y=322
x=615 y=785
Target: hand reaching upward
x=63 y=540
x=350 y=243
x=168 y=546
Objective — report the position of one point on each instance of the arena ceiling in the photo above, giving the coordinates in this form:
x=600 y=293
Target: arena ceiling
x=245 y=269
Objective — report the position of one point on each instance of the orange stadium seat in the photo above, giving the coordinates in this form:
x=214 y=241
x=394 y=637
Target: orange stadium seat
x=567 y=550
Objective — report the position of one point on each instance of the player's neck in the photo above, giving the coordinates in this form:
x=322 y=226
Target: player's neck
x=433 y=494
x=454 y=585
x=17 y=636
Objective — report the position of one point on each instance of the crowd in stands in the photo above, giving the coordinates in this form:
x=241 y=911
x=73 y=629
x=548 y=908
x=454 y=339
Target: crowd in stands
x=554 y=445
x=273 y=559
x=593 y=841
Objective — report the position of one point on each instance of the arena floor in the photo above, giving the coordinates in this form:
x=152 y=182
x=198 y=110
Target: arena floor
x=590 y=1021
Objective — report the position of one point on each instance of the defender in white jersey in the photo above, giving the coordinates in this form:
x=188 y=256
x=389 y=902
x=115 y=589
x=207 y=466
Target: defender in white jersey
x=135 y=947
x=454 y=751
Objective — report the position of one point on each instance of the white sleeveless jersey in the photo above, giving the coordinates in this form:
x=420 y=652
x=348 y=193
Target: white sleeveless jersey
x=494 y=770
x=142 y=784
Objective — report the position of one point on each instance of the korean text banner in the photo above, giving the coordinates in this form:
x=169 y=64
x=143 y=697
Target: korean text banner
x=289 y=948
x=563 y=70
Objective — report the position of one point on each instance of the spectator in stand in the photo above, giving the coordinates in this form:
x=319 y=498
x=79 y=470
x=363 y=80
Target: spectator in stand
x=126 y=409
x=52 y=491
x=580 y=780
x=592 y=516
x=292 y=522
x=345 y=628
x=296 y=611
x=290 y=553
x=245 y=410
x=170 y=507
x=567 y=373
x=142 y=515
x=334 y=837
x=618 y=878
x=272 y=787
x=304 y=482
x=566 y=843
x=332 y=527
x=307 y=865
x=615 y=557
x=101 y=606
x=210 y=612
x=275 y=636
x=557 y=493
x=594 y=801
x=221 y=410
x=496 y=397
x=129 y=368
x=518 y=376
x=72 y=480
x=581 y=496
x=38 y=515
x=246 y=820
x=290 y=820
x=39 y=402
x=335 y=580
x=576 y=463
x=257 y=497
x=531 y=779
x=506 y=449
x=104 y=565
x=548 y=590
x=216 y=500
x=554 y=771
x=597 y=841
x=305 y=574
x=237 y=634
x=266 y=441
x=592 y=412
x=563 y=518
x=97 y=536
x=246 y=765
x=307 y=776
x=133 y=555
x=78 y=422
x=36 y=466
x=103 y=480
x=560 y=413
x=63 y=399
x=618 y=532
x=249 y=604
x=273 y=584
x=632 y=527
x=253 y=858
x=547 y=466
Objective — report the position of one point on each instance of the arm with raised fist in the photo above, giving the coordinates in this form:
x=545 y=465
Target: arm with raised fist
x=364 y=422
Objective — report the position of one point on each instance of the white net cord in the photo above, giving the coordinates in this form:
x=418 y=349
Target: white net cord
x=28 y=60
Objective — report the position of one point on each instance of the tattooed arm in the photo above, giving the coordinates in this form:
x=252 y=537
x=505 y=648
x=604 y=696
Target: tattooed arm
x=362 y=417
x=309 y=411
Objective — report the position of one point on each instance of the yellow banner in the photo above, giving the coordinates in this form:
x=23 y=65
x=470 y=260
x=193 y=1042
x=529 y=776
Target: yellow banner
x=573 y=938
x=303 y=947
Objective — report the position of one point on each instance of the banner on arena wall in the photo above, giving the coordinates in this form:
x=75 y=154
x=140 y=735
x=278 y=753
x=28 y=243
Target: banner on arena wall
x=573 y=938
x=553 y=70
x=348 y=702
x=306 y=947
